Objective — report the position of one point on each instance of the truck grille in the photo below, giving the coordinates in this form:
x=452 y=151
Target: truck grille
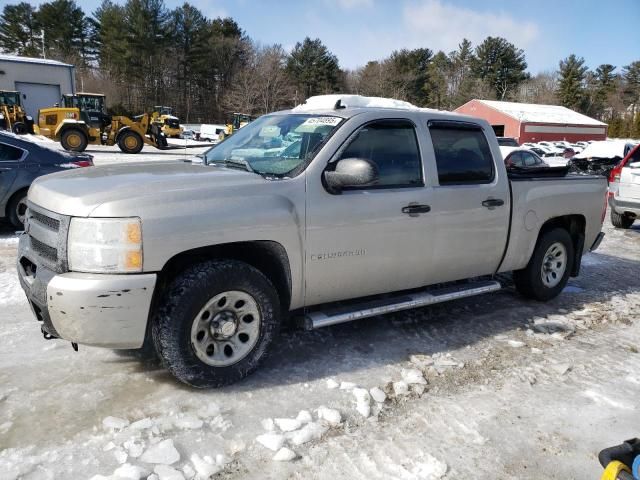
x=50 y=253
x=48 y=237
x=48 y=222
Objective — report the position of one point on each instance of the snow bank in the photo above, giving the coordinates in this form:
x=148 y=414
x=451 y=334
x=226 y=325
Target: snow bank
x=604 y=149
x=328 y=102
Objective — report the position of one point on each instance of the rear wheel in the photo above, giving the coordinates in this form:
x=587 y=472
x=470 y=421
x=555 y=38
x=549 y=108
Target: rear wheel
x=216 y=322
x=620 y=220
x=74 y=139
x=18 y=209
x=130 y=142
x=20 y=128
x=548 y=270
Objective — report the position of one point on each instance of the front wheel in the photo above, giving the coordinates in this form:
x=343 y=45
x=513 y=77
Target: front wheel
x=74 y=139
x=548 y=270
x=215 y=323
x=20 y=128
x=130 y=142
x=621 y=221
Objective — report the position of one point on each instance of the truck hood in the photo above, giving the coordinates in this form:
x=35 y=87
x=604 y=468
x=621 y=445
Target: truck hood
x=79 y=192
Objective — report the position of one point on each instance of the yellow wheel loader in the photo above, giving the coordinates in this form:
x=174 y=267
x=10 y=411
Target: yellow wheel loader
x=239 y=121
x=83 y=121
x=169 y=124
x=12 y=115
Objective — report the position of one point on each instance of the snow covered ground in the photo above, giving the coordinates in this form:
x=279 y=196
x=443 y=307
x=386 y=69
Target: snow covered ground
x=487 y=387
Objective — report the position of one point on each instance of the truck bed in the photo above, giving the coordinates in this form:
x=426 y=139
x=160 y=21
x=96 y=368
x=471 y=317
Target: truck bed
x=540 y=195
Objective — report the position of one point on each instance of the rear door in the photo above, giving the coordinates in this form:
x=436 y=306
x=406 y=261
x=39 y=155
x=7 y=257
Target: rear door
x=10 y=160
x=470 y=205
x=630 y=177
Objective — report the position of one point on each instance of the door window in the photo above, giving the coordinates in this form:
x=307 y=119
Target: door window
x=462 y=154
x=392 y=145
x=8 y=153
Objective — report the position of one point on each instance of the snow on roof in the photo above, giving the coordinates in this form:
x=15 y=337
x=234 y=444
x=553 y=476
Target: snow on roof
x=528 y=112
x=42 y=61
x=604 y=149
x=328 y=102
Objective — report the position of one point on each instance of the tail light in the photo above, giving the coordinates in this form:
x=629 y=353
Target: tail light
x=78 y=163
x=614 y=175
x=83 y=163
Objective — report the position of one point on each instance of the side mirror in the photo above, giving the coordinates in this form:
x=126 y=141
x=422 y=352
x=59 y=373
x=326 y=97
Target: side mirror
x=351 y=172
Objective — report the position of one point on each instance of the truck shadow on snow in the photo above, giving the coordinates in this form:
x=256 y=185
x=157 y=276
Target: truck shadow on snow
x=298 y=356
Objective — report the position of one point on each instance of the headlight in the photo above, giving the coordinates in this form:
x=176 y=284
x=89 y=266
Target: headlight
x=105 y=245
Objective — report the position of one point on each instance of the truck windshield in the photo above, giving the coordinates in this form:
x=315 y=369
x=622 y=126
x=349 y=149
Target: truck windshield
x=274 y=145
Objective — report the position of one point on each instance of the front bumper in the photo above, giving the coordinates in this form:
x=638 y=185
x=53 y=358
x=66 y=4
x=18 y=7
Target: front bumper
x=91 y=309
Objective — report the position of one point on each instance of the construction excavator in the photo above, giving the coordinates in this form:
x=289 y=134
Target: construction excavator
x=12 y=115
x=83 y=120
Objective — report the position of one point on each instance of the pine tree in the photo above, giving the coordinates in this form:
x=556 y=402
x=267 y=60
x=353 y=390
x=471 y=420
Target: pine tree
x=313 y=68
x=409 y=74
x=631 y=89
x=571 y=90
x=190 y=29
x=462 y=79
x=501 y=65
x=437 y=85
x=66 y=31
x=19 y=30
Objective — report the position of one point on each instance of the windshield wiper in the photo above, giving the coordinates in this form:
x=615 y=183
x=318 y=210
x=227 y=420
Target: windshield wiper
x=239 y=163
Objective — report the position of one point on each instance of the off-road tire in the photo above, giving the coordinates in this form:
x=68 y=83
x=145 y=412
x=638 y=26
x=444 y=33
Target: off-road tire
x=20 y=128
x=186 y=296
x=528 y=281
x=70 y=142
x=620 y=220
x=19 y=201
x=126 y=139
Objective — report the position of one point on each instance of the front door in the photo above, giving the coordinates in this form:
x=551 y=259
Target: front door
x=374 y=239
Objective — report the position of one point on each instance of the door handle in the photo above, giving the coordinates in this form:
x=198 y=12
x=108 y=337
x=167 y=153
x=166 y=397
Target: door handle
x=493 y=202
x=415 y=209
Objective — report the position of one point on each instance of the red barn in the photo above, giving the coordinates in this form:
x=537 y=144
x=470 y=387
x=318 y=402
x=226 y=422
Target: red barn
x=527 y=122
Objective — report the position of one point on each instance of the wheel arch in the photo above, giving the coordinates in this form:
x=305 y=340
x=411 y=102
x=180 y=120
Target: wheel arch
x=12 y=197
x=575 y=224
x=269 y=257
x=64 y=126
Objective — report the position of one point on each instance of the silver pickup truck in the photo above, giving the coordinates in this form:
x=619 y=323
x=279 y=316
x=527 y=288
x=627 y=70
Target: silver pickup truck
x=343 y=208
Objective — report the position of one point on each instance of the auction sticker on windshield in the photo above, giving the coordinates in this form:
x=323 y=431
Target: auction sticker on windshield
x=331 y=121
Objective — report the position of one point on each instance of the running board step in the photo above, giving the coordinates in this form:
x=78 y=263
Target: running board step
x=405 y=301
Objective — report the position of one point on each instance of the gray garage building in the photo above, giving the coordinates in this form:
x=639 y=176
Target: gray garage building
x=41 y=82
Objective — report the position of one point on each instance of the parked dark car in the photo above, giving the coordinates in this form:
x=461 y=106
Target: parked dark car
x=508 y=142
x=521 y=158
x=21 y=162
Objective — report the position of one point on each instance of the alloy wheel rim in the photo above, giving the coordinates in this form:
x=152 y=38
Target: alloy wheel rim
x=226 y=329
x=554 y=265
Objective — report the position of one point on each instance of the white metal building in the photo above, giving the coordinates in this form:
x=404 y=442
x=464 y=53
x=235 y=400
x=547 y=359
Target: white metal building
x=41 y=82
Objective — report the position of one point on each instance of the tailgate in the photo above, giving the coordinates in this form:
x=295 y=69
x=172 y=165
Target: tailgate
x=630 y=181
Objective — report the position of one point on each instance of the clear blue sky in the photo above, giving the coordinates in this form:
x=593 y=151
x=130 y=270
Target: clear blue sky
x=601 y=31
